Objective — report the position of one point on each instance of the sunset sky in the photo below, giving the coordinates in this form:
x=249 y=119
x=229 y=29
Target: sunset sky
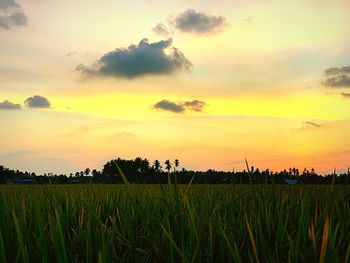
x=207 y=82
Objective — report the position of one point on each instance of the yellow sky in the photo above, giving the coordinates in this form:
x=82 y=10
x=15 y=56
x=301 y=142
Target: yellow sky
x=259 y=74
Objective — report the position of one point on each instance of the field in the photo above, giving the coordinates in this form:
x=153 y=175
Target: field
x=152 y=223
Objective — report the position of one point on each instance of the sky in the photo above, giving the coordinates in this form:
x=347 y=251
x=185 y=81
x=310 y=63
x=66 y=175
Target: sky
x=207 y=82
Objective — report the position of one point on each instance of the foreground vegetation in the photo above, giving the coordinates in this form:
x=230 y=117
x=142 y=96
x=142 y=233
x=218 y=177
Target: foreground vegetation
x=169 y=223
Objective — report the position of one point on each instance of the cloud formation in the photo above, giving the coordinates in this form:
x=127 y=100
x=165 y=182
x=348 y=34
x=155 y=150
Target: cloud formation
x=7 y=105
x=180 y=107
x=197 y=22
x=137 y=61
x=11 y=14
x=337 y=77
x=37 y=102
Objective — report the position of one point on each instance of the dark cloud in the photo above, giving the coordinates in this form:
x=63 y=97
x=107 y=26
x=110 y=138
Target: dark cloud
x=136 y=61
x=11 y=14
x=345 y=94
x=195 y=105
x=180 y=107
x=168 y=105
x=196 y=22
x=37 y=102
x=337 y=71
x=337 y=77
x=7 y=105
x=337 y=81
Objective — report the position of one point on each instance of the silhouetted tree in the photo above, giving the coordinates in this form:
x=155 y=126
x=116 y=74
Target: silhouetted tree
x=157 y=165
x=176 y=163
x=167 y=165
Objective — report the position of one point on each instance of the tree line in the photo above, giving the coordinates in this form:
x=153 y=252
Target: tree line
x=142 y=171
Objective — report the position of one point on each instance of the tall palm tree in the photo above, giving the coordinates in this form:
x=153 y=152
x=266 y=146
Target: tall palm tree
x=168 y=165
x=177 y=162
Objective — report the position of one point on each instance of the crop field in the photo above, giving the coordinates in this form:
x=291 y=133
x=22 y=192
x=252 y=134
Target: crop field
x=169 y=223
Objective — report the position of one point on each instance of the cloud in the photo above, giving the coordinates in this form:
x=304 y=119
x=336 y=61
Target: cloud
x=195 y=105
x=19 y=19
x=345 y=94
x=311 y=123
x=37 y=102
x=6 y=105
x=161 y=29
x=192 y=21
x=168 y=105
x=71 y=53
x=337 y=77
x=11 y=14
x=336 y=71
x=137 y=61
x=6 y=4
x=180 y=107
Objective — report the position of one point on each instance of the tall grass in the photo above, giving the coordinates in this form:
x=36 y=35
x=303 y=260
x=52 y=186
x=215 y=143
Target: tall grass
x=135 y=223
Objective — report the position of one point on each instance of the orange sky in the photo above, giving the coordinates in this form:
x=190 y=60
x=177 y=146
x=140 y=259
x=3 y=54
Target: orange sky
x=215 y=82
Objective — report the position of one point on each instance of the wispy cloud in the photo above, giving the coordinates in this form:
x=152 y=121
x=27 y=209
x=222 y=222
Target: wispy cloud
x=311 y=123
x=137 y=61
x=162 y=29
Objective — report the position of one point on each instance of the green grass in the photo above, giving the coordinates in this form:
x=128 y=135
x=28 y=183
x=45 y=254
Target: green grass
x=197 y=223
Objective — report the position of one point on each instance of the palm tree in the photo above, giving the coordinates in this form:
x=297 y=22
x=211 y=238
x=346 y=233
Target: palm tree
x=176 y=163
x=168 y=165
x=157 y=165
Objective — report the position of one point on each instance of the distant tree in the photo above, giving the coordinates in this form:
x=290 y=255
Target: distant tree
x=94 y=173
x=87 y=171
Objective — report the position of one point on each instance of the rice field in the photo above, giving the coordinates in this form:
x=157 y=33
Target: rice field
x=172 y=223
